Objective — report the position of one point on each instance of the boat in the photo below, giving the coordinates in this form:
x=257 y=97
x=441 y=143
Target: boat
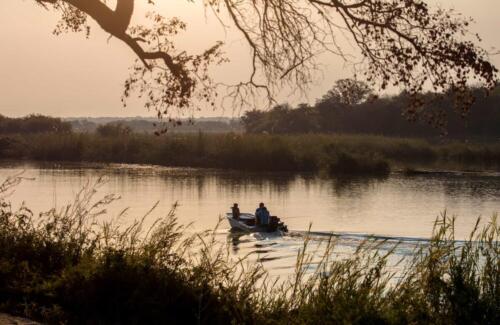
x=246 y=222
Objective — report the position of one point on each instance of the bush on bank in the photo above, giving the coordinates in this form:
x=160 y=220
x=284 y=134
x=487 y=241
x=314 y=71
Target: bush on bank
x=335 y=154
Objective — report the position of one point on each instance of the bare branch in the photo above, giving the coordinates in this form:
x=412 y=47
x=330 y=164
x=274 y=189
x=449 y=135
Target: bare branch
x=404 y=43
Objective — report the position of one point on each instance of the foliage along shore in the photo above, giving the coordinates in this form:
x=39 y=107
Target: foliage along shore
x=334 y=154
x=350 y=107
x=67 y=266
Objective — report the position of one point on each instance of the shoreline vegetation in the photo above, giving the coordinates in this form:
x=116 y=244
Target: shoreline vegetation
x=67 y=266
x=347 y=132
x=335 y=155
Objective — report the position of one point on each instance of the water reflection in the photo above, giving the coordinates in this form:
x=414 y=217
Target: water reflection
x=395 y=205
x=355 y=185
x=234 y=239
x=396 y=208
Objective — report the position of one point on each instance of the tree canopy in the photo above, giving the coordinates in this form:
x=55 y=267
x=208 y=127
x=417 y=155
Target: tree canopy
x=403 y=43
x=378 y=116
x=33 y=124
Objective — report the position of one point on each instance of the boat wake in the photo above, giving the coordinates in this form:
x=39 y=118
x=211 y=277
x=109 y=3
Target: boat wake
x=278 y=252
x=355 y=236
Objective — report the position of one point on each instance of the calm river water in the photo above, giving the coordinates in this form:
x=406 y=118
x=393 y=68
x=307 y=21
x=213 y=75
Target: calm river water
x=399 y=206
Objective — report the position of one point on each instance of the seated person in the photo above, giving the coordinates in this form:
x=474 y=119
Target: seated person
x=262 y=215
x=236 y=211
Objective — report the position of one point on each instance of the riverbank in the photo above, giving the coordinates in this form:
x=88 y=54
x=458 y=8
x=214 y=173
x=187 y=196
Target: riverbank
x=6 y=319
x=333 y=154
x=67 y=268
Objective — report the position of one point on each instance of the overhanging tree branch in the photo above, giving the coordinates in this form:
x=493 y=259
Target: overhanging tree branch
x=403 y=42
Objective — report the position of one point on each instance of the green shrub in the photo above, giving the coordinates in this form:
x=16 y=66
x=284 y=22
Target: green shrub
x=344 y=163
x=258 y=152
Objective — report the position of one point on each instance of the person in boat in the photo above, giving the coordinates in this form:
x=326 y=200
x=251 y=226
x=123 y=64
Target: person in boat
x=236 y=211
x=262 y=215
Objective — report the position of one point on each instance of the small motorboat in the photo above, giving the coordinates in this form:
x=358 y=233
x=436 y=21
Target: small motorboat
x=246 y=222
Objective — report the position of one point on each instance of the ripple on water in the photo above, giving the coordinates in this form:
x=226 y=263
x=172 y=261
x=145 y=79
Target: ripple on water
x=278 y=254
x=398 y=209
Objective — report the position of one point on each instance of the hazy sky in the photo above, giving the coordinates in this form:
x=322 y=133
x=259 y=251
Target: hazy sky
x=69 y=75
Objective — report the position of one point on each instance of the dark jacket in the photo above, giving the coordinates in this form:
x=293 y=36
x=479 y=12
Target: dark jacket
x=262 y=216
x=236 y=212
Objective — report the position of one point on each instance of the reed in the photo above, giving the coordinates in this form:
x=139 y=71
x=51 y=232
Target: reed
x=68 y=266
x=335 y=154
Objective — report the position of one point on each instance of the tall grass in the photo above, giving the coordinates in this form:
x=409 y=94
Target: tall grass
x=67 y=266
x=336 y=154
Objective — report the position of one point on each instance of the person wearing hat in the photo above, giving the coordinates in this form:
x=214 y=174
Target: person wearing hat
x=236 y=211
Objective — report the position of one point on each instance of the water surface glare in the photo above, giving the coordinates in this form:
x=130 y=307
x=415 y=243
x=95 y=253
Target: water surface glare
x=397 y=207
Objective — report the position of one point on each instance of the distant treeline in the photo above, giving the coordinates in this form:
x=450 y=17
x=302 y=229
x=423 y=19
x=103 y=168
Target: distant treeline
x=143 y=125
x=350 y=107
x=33 y=124
x=362 y=113
x=44 y=124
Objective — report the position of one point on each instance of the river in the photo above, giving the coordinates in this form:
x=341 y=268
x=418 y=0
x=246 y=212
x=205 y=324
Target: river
x=397 y=207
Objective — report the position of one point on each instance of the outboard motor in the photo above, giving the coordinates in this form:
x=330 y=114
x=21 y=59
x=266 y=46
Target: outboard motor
x=275 y=223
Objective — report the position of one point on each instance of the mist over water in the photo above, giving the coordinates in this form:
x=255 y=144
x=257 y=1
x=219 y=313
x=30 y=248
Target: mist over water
x=397 y=208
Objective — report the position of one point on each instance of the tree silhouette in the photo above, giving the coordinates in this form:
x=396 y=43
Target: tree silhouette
x=348 y=92
x=403 y=43
x=380 y=116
